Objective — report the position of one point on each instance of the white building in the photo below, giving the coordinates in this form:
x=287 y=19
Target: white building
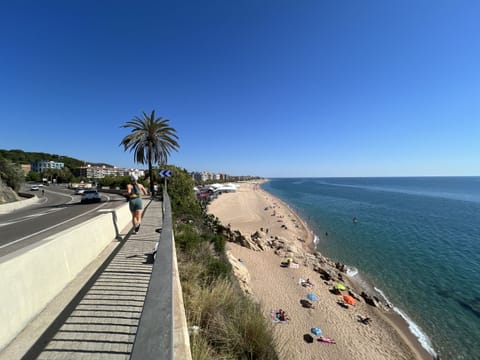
x=99 y=172
x=40 y=166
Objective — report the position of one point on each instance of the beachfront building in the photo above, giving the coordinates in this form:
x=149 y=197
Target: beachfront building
x=200 y=176
x=40 y=166
x=99 y=172
x=205 y=176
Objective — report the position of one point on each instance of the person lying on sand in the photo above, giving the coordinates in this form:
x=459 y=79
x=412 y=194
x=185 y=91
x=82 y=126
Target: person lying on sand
x=307 y=283
x=364 y=319
x=279 y=316
x=282 y=315
x=307 y=304
x=326 y=339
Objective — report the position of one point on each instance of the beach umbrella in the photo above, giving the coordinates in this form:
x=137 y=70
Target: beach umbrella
x=340 y=287
x=312 y=297
x=349 y=300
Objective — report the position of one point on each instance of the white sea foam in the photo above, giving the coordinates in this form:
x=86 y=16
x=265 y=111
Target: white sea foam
x=351 y=271
x=316 y=239
x=382 y=294
x=414 y=328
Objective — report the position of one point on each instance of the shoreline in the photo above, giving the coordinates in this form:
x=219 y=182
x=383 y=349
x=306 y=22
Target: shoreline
x=393 y=318
x=253 y=195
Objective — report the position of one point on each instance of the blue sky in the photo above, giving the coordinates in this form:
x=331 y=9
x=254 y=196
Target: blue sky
x=270 y=88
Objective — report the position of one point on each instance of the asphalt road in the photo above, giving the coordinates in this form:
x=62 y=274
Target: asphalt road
x=57 y=210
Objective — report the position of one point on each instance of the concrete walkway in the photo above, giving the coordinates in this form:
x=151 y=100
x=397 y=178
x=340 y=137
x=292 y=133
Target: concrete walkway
x=101 y=320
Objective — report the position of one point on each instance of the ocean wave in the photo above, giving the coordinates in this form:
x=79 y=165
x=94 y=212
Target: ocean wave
x=316 y=239
x=382 y=294
x=351 y=271
x=415 y=330
x=412 y=326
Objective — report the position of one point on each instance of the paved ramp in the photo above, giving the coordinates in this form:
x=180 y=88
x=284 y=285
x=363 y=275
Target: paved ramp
x=101 y=322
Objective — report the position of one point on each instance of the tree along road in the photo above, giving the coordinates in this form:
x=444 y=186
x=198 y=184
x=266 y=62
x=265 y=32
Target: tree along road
x=57 y=210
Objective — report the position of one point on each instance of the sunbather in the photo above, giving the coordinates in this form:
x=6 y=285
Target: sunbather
x=364 y=319
x=326 y=339
x=279 y=316
x=306 y=283
x=309 y=305
x=282 y=316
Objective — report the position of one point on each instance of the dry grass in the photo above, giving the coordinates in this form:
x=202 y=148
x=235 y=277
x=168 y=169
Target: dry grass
x=231 y=325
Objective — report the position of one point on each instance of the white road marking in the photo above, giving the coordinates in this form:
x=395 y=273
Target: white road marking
x=51 y=227
x=32 y=216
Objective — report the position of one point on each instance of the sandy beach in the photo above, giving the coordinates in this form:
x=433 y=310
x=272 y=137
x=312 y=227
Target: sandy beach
x=250 y=209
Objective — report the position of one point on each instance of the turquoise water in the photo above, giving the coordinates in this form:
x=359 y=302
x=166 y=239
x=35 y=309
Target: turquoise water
x=417 y=240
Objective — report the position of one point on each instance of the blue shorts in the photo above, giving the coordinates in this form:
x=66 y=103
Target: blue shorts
x=135 y=204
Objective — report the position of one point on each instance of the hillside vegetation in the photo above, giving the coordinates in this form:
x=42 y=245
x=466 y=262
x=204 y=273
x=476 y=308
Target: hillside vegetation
x=226 y=323
x=24 y=157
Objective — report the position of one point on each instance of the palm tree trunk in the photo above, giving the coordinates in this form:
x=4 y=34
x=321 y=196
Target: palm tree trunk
x=150 y=170
x=150 y=175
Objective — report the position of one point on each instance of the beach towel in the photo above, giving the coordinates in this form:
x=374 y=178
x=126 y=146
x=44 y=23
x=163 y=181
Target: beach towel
x=294 y=265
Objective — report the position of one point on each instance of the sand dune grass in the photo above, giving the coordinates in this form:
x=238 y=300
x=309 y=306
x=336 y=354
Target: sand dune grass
x=229 y=324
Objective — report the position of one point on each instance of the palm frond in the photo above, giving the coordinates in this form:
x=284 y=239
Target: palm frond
x=151 y=140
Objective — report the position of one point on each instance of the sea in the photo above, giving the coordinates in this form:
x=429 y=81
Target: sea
x=414 y=241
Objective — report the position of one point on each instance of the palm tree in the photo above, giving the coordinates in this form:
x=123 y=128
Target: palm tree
x=151 y=139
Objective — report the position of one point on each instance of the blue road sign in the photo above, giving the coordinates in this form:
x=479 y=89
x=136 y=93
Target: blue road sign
x=165 y=173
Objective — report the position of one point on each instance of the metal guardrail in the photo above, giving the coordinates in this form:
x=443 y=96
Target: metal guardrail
x=154 y=339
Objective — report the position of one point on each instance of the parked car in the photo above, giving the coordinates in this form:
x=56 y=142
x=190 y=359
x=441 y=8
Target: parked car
x=34 y=188
x=90 y=196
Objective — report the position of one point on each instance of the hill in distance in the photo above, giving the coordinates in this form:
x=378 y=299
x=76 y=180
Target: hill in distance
x=24 y=157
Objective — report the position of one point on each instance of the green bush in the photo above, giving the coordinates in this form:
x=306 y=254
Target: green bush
x=218 y=242
x=11 y=174
x=186 y=238
x=218 y=268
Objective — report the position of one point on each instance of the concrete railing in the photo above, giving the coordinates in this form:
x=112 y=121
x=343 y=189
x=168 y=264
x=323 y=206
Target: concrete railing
x=31 y=277
x=15 y=205
x=162 y=333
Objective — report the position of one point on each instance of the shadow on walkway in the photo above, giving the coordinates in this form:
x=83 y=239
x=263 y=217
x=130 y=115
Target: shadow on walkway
x=103 y=317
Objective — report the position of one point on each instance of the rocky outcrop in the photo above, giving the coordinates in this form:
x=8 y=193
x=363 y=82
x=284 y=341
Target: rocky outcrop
x=240 y=272
x=261 y=241
x=342 y=267
x=7 y=194
x=370 y=300
x=326 y=273
x=329 y=270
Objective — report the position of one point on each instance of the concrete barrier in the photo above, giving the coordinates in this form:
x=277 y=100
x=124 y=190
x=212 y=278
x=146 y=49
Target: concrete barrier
x=33 y=276
x=15 y=205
